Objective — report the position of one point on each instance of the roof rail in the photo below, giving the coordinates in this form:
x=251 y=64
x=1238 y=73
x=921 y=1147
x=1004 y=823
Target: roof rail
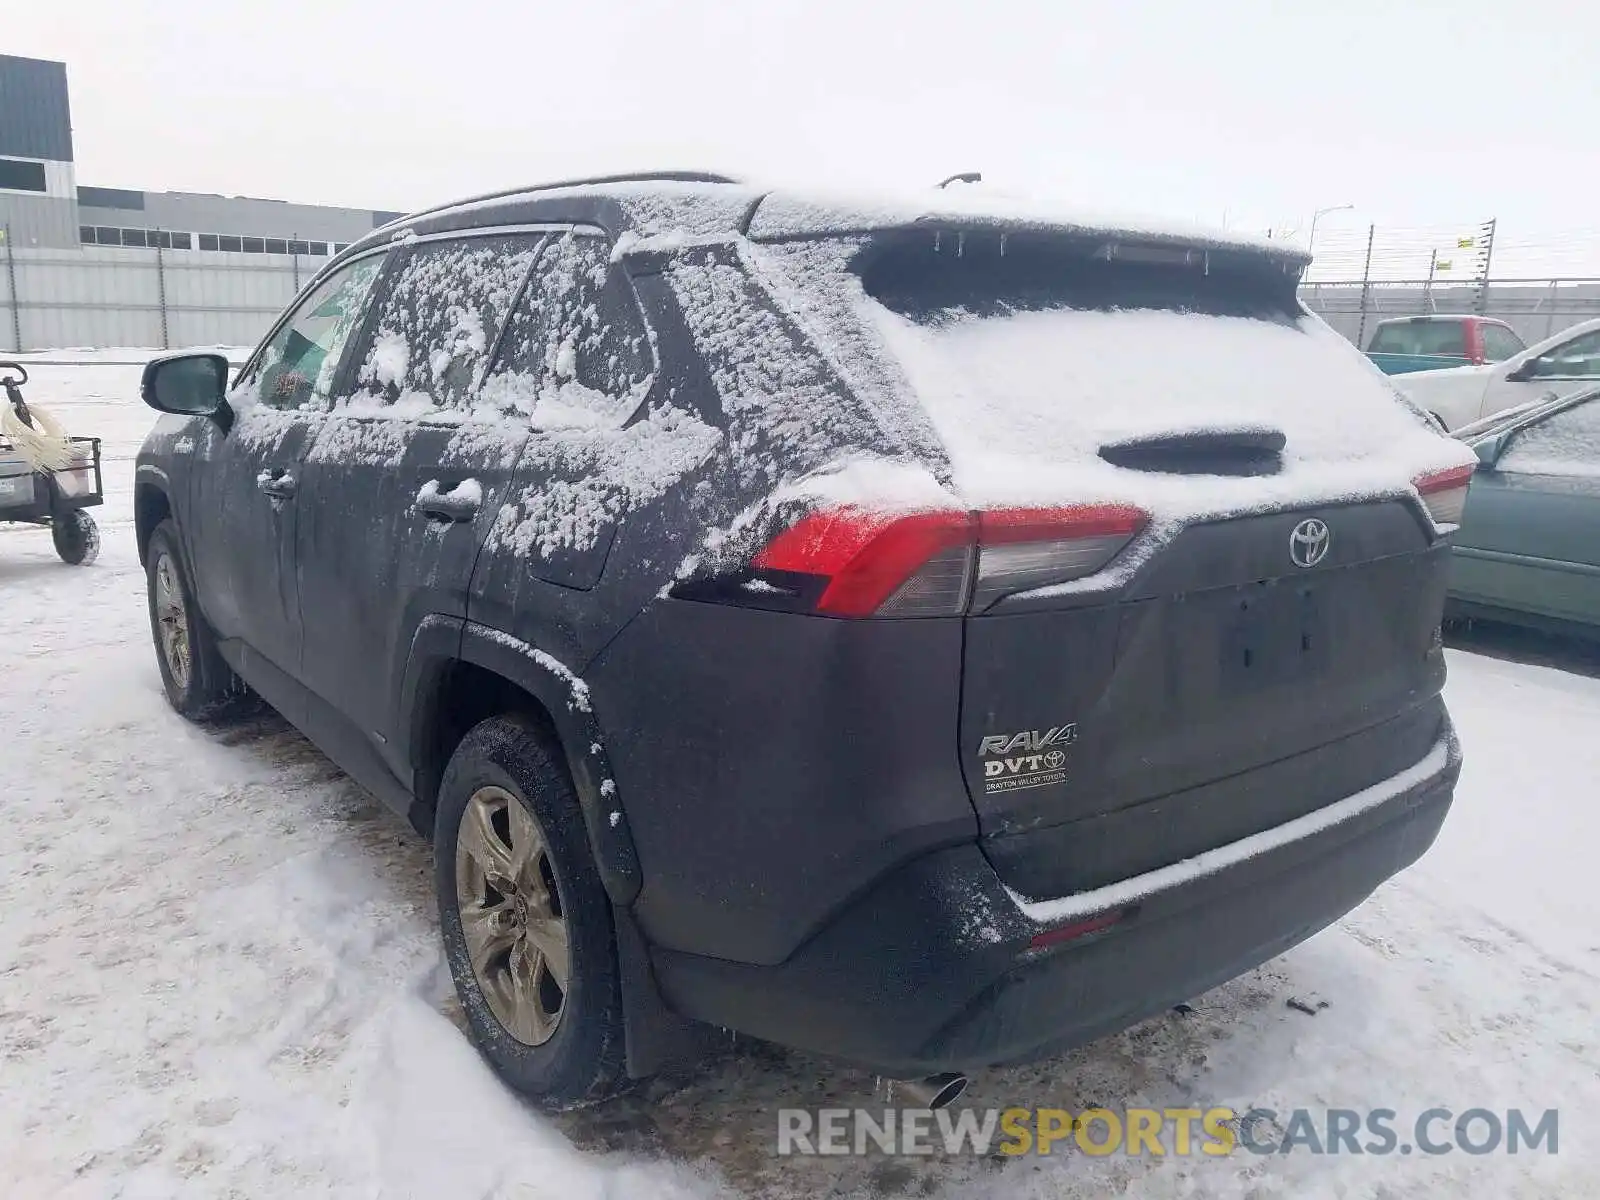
x=591 y=181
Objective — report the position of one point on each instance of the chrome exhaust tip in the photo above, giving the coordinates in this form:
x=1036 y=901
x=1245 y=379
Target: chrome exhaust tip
x=936 y=1091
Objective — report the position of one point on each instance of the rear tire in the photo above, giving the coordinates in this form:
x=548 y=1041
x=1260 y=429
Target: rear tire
x=197 y=680
x=77 y=538
x=526 y=922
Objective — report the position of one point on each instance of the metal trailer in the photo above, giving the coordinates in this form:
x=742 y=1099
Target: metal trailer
x=54 y=498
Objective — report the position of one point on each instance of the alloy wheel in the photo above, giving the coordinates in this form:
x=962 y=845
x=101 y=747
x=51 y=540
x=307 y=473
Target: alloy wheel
x=172 y=621
x=511 y=915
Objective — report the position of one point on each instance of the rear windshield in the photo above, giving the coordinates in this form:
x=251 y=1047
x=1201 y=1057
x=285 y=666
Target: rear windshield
x=1051 y=351
x=1421 y=337
x=925 y=274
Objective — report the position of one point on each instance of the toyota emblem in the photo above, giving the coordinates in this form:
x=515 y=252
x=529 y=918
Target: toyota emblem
x=1308 y=544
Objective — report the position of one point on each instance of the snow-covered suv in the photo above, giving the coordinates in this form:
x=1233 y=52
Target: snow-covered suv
x=926 y=633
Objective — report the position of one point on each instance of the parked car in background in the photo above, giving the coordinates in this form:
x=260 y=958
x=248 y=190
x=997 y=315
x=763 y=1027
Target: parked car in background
x=1528 y=550
x=1567 y=362
x=834 y=626
x=1406 y=344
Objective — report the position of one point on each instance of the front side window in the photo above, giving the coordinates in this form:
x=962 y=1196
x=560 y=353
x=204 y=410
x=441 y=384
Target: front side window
x=437 y=319
x=295 y=369
x=576 y=349
x=1500 y=343
x=1577 y=359
x=1566 y=443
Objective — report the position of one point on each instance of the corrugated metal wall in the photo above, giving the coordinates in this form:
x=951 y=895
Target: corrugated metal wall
x=104 y=296
x=33 y=221
x=247 y=216
x=34 y=119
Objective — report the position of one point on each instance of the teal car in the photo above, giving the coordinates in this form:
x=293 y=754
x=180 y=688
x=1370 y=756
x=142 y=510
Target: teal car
x=1528 y=550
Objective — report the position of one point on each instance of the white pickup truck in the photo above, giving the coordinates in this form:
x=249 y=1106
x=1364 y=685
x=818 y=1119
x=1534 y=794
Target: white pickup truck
x=1460 y=395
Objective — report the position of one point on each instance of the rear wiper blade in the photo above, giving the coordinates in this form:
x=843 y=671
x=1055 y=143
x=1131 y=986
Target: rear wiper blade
x=1246 y=451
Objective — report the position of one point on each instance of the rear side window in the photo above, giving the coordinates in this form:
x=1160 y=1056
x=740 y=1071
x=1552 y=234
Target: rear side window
x=1567 y=443
x=1447 y=338
x=436 y=321
x=576 y=349
x=1500 y=343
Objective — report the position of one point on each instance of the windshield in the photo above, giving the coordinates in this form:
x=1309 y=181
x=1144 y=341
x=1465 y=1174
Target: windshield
x=1506 y=418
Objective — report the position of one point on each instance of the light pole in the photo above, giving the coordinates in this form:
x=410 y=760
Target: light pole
x=1311 y=242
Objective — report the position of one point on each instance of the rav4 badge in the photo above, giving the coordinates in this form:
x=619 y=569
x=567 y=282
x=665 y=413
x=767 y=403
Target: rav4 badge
x=1027 y=759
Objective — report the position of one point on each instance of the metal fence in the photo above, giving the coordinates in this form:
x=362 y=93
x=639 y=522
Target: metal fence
x=1364 y=274
x=108 y=296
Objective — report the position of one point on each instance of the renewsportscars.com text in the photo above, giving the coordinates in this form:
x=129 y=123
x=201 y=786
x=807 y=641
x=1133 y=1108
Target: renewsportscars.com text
x=1158 y=1132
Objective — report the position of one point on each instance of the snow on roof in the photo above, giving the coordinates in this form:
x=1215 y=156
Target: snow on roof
x=654 y=207
x=699 y=209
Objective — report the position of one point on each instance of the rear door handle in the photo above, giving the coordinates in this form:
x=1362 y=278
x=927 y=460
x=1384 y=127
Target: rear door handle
x=279 y=486
x=460 y=503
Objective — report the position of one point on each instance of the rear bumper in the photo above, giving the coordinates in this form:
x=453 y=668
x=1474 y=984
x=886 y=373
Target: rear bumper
x=931 y=969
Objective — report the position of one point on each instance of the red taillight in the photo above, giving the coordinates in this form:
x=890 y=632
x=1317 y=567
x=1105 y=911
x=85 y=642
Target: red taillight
x=869 y=558
x=1445 y=493
x=922 y=564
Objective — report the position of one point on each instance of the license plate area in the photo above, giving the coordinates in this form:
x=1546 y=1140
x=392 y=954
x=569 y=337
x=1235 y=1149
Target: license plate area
x=1274 y=633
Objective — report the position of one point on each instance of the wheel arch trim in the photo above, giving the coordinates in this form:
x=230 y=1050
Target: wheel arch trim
x=441 y=641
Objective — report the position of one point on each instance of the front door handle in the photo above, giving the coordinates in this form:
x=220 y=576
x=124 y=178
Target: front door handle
x=279 y=485
x=460 y=503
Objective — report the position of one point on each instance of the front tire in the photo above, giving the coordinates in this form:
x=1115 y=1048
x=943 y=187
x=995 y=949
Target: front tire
x=197 y=680
x=77 y=538
x=526 y=922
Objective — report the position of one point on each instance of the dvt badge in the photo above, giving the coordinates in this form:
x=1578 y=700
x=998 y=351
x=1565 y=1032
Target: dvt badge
x=1029 y=759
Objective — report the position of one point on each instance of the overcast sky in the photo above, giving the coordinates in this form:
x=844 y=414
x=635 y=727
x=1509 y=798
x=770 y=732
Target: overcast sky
x=1419 y=112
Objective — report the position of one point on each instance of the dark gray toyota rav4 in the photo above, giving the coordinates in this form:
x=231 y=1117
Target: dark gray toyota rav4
x=925 y=633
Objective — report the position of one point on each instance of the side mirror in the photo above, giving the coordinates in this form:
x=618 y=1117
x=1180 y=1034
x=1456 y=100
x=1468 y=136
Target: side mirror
x=1522 y=372
x=1489 y=450
x=190 y=385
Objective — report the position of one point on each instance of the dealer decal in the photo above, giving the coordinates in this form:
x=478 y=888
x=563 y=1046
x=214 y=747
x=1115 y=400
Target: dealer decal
x=1029 y=759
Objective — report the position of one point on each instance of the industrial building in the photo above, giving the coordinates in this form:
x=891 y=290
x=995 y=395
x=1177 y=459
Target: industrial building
x=42 y=205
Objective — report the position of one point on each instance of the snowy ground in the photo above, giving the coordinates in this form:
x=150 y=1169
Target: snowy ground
x=219 y=973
